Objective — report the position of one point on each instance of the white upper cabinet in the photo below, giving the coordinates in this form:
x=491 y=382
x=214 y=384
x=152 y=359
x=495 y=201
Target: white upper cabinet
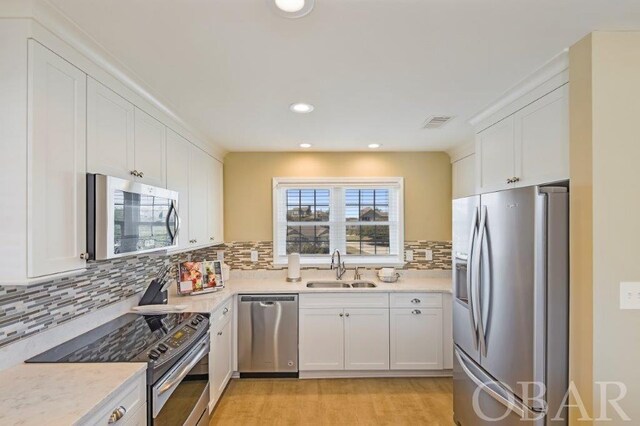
x=123 y=140
x=542 y=139
x=215 y=202
x=366 y=337
x=150 y=149
x=110 y=132
x=199 y=171
x=463 y=177
x=178 y=170
x=495 y=156
x=523 y=139
x=56 y=163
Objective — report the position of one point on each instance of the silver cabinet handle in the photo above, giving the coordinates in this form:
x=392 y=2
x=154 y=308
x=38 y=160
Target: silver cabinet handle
x=224 y=311
x=416 y=312
x=415 y=301
x=341 y=315
x=117 y=414
x=136 y=173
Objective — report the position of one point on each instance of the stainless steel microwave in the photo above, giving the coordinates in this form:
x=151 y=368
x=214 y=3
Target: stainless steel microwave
x=126 y=217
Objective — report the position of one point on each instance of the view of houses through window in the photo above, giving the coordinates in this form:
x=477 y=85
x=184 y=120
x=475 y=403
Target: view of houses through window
x=365 y=222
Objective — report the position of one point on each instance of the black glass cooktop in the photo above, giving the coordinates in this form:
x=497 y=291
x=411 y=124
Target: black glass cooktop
x=123 y=339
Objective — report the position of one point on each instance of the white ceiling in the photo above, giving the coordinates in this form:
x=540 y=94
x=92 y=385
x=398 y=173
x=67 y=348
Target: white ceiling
x=374 y=69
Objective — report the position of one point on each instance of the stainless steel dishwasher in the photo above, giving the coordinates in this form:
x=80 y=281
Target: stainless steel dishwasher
x=268 y=335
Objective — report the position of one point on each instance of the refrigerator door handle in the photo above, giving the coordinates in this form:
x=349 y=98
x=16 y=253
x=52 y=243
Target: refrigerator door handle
x=484 y=285
x=470 y=262
x=475 y=288
x=496 y=391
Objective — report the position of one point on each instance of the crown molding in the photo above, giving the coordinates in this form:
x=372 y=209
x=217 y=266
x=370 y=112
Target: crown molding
x=558 y=65
x=461 y=151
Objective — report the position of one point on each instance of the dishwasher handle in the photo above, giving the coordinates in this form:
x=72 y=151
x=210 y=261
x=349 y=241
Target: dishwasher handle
x=267 y=300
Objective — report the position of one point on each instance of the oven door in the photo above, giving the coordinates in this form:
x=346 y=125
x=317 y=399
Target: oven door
x=127 y=217
x=181 y=396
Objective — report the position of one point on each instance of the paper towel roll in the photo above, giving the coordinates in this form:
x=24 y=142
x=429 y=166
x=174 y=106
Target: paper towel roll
x=293 y=270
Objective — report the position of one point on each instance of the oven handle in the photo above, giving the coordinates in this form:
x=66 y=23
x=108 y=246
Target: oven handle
x=177 y=376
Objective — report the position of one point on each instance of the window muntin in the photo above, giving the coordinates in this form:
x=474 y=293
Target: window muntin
x=360 y=217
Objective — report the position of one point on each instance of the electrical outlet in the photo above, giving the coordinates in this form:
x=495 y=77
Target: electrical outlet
x=408 y=255
x=220 y=255
x=630 y=295
x=254 y=255
x=428 y=255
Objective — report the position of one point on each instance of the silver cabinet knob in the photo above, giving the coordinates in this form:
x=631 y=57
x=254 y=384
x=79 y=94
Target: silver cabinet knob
x=219 y=333
x=346 y=314
x=415 y=301
x=416 y=312
x=516 y=179
x=509 y=180
x=117 y=414
x=341 y=315
x=224 y=311
x=140 y=174
x=135 y=173
x=84 y=256
x=211 y=239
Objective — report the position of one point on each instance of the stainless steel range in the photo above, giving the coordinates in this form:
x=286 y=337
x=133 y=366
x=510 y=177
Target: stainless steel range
x=175 y=348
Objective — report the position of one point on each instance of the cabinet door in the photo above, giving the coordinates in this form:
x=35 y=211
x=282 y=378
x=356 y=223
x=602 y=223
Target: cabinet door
x=56 y=163
x=321 y=339
x=463 y=177
x=150 y=149
x=178 y=165
x=214 y=202
x=110 y=132
x=542 y=139
x=416 y=339
x=198 y=196
x=221 y=368
x=366 y=339
x=495 y=156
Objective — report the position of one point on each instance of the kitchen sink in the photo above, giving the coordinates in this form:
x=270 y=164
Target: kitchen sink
x=363 y=284
x=338 y=284
x=327 y=284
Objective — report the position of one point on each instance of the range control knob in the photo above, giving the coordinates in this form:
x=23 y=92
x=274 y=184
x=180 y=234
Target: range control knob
x=153 y=354
x=162 y=347
x=194 y=322
x=200 y=318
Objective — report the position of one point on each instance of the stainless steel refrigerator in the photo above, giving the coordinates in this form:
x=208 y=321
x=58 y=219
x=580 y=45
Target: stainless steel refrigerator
x=510 y=310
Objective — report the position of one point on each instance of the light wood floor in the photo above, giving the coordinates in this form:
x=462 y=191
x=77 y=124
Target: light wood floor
x=419 y=401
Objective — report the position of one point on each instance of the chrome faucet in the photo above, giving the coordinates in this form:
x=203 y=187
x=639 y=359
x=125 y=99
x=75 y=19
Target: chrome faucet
x=340 y=268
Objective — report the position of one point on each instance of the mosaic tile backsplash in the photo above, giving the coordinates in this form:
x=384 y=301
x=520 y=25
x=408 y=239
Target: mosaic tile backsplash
x=25 y=311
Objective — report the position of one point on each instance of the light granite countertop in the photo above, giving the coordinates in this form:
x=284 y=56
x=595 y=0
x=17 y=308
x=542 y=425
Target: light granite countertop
x=59 y=394
x=274 y=282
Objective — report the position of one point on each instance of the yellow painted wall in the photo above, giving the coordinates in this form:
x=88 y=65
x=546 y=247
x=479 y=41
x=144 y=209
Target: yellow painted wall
x=605 y=178
x=248 y=177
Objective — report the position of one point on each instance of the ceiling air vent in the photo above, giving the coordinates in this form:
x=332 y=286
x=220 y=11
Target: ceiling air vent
x=436 y=121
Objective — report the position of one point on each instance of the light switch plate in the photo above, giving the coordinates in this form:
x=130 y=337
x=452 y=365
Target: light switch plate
x=428 y=255
x=408 y=255
x=220 y=255
x=254 y=255
x=629 y=295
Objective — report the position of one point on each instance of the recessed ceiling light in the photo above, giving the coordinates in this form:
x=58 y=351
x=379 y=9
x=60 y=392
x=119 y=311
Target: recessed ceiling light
x=374 y=145
x=305 y=145
x=292 y=8
x=301 y=108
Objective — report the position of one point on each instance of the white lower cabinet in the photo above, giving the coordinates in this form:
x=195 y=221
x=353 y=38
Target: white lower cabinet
x=127 y=405
x=221 y=353
x=321 y=339
x=416 y=339
x=366 y=339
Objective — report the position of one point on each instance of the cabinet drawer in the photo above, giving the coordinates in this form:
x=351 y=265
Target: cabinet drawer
x=131 y=396
x=344 y=300
x=416 y=300
x=223 y=312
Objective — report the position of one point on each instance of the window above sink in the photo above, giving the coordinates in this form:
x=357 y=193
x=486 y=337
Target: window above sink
x=361 y=217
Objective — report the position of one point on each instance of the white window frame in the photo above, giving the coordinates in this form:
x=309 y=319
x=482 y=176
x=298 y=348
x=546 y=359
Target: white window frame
x=279 y=232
